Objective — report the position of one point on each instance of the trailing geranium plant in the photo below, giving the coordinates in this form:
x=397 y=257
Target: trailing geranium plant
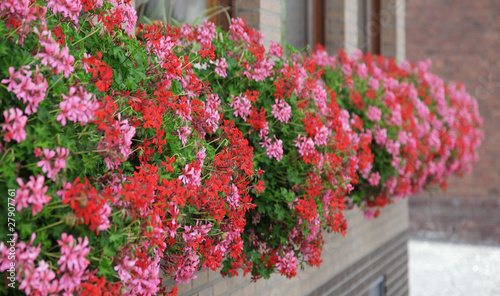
x=191 y=148
x=423 y=130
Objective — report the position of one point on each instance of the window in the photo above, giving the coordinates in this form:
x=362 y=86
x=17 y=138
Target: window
x=305 y=22
x=377 y=288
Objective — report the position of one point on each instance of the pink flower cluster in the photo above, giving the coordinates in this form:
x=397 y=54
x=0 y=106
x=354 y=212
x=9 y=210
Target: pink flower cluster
x=221 y=67
x=206 y=32
x=52 y=56
x=78 y=106
x=15 y=121
x=69 y=9
x=374 y=113
x=287 y=264
x=73 y=262
x=128 y=14
x=241 y=106
x=29 y=87
x=282 y=110
x=18 y=14
x=118 y=150
x=275 y=149
x=32 y=194
x=52 y=163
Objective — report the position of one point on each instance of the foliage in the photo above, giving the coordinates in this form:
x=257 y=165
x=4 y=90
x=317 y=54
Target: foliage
x=194 y=148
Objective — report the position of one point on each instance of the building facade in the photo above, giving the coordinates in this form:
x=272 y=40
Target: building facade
x=462 y=39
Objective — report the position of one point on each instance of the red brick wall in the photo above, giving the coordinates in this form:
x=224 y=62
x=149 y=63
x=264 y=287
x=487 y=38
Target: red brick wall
x=462 y=38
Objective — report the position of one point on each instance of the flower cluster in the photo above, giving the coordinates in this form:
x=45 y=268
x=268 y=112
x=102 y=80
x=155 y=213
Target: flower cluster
x=423 y=129
x=136 y=168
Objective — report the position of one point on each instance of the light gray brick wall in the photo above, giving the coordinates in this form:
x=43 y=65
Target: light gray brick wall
x=392 y=22
x=263 y=15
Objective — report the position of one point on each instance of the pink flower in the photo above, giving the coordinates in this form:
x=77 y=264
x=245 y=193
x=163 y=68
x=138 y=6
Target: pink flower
x=20 y=15
x=282 y=110
x=276 y=49
x=124 y=268
x=362 y=71
x=373 y=83
x=45 y=164
x=129 y=16
x=14 y=125
x=238 y=31
x=46 y=284
x=206 y=32
x=369 y=213
x=221 y=67
x=62 y=192
x=392 y=147
x=104 y=222
x=321 y=137
x=52 y=56
x=32 y=193
x=275 y=149
x=31 y=90
x=374 y=113
x=259 y=70
x=380 y=135
x=183 y=133
x=67 y=8
x=73 y=256
x=305 y=145
x=189 y=265
x=78 y=106
x=117 y=150
x=211 y=115
x=233 y=198
x=374 y=179
x=200 y=156
x=241 y=106
x=287 y=264
x=191 y=175
x=52 y=164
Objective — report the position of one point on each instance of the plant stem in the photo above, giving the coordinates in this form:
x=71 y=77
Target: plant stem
x=49 y=226
x=97 y=30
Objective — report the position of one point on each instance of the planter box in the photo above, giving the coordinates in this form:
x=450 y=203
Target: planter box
x=372 y=252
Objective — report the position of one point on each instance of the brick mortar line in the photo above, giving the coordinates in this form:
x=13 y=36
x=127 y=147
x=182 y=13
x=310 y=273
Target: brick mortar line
x=404 y=291
x=321 y=284
x=204 y=286
x=240 y=286
x=395 y=277
x=362 y=267
x=394 y=268
x=376 y=270
x=401 y=286
x=312 y=275
x=397 y=274
x=400 y=282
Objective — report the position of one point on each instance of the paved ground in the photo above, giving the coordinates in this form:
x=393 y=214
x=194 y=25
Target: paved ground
x=443 y=269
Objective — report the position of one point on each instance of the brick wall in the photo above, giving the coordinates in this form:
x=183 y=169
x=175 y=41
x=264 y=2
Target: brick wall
x=462 y=38
x=392 y=24
x=369 y=250
x=341 y=25
x=263 y=15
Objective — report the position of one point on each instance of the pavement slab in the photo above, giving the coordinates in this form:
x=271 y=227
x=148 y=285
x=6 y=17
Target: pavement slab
x=440 y=268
